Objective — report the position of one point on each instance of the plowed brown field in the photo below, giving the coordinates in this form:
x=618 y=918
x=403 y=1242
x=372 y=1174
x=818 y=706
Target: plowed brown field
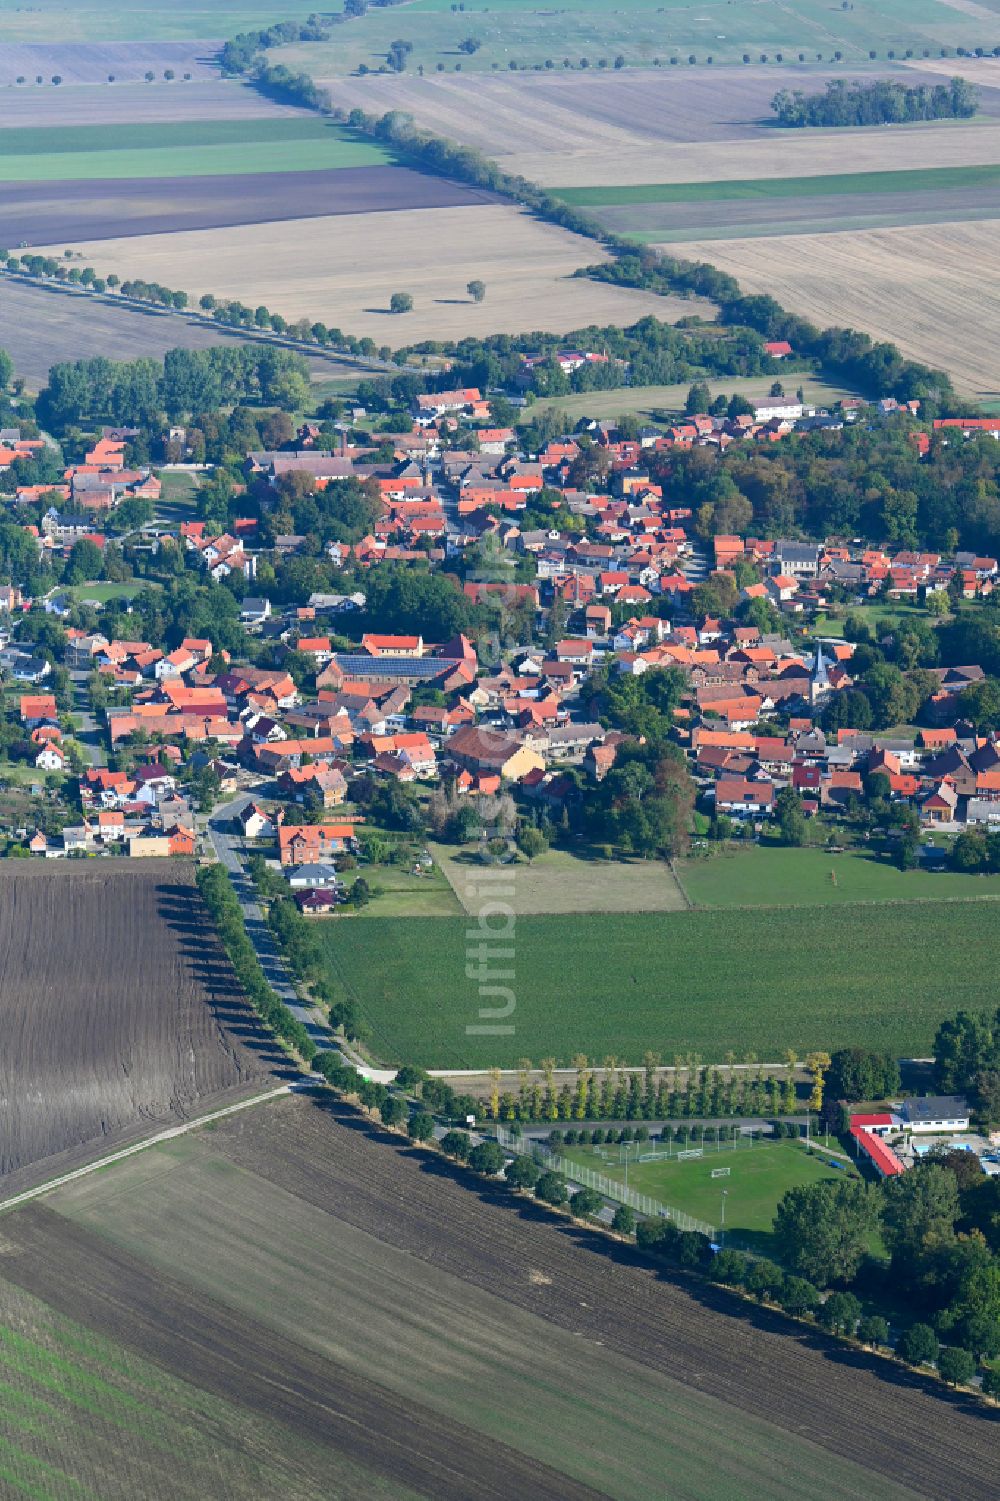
x=118 y=1011
x=293 y=1238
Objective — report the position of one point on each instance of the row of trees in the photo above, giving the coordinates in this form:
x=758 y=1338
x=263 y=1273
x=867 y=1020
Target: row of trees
x=881 y=102
x=221 y=901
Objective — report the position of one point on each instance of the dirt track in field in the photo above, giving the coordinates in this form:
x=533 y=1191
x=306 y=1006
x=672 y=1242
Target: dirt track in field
x=119 y=1012
x=45 y=213
x=232 y=1357
x=880 y=1416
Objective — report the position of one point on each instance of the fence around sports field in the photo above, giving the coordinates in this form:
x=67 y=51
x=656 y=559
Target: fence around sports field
x=609 y=1187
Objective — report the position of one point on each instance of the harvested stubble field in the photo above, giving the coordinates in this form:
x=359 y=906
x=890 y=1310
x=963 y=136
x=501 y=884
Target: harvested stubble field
x=119 y=1011
x=77 y=62
x=930 y=289
x=343 y=271
x=762 y=979
x=94 y=216
x=126 y=103
x=678 y=125
x=42 y=324
x=297 y=1237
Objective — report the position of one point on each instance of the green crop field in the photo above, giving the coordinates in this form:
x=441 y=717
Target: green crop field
x=522 y=33
x=759 y=1175
x=929 y=178
x=774 y=877
x=191 y=148
x=761 y=980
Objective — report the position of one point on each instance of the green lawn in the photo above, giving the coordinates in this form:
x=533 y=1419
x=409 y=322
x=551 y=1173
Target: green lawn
x=879 y=612
x=763 y=877
x=906 y=181
x=761 y=980
x=103 y=592
x=187 y=149
x=759 y=1175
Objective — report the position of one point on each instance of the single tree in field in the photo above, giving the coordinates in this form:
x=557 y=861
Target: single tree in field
x=400 y=302
x=476 y=290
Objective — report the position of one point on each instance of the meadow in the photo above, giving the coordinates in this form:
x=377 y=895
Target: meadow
x=760 y=1173
x=563 y=881
x=762 y=980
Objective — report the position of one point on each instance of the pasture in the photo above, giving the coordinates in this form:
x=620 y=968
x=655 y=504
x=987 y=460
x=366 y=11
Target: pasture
x=929 y=289
x=113 y=1017
x=775 y=877
x=710 y=982
x=759 y=1174
x=343 y=270
x=395 y=1303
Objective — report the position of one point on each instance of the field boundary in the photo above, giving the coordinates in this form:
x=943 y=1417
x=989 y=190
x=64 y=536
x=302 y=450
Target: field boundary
x=142 y=1146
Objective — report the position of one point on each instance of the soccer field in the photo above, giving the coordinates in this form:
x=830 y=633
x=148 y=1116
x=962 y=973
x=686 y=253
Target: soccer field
x=758 y=1176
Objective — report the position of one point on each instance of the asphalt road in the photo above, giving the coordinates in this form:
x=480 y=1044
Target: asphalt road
x=88 y=733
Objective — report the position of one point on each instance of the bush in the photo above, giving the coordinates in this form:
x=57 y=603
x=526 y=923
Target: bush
x=956 y=1366
x=585 y=1203
x=798 y=1297
x=421 y=1127
x=991 y=1382
x=551 y=1189
x=523 y=1172
x=918 y=1345
x=624 y=1223
x=457 y=1144
x=874 y=1331
x=555 y=1138
x=487 y=1158
x=840 y=1313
